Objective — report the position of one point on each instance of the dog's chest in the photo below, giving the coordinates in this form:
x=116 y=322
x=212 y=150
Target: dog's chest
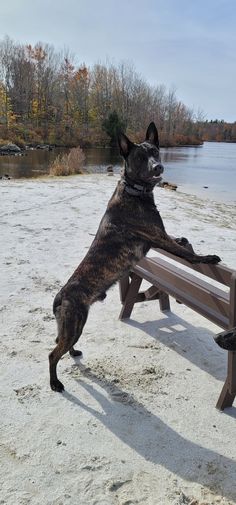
x=138 y=252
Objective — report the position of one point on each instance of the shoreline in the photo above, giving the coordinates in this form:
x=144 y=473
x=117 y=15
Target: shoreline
x=47 y=146
x=207 y=172
x=196 y=191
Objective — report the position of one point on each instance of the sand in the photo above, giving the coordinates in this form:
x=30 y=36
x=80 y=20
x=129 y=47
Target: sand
x=137 y=422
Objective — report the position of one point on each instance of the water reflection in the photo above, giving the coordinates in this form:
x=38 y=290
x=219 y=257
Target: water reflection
x=178 y=154
x=36 y=163
x=31 y=164
x=98 y=159
x=191 y=168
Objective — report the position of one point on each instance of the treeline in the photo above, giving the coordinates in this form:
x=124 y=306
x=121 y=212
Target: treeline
x=46 y=97
x=217 y=131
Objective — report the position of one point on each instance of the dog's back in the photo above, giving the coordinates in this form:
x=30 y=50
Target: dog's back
x=113 y=251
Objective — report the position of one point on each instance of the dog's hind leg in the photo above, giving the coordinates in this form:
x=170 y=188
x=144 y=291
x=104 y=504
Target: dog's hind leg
x=54 y=357
x=82 y=318
x=70 y=321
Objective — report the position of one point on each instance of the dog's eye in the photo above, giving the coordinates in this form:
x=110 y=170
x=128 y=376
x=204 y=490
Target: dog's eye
x=155 y=153
x=141 y=157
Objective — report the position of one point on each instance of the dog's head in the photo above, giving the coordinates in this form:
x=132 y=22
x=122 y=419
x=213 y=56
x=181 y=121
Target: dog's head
x=142 y=161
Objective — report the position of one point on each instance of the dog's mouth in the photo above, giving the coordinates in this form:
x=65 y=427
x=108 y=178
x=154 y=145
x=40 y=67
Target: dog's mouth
x=157 y=178
x=156 y=174
x=154 y=179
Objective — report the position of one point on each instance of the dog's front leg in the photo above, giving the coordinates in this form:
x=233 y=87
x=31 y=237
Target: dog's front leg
x=186 y=251
x=158 y=238
x=185 y=243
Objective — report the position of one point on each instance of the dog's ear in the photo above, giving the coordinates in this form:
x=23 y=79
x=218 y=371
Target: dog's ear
x=152 y=135
x=124 y=144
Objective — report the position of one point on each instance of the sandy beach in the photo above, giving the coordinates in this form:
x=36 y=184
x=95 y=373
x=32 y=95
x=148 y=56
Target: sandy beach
x=137 y=423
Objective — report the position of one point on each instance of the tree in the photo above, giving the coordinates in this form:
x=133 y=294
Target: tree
x=7 y=116
x=112 y=125
x=46 y=95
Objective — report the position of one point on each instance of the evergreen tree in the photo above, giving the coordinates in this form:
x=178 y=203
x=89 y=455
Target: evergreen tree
x=112 y=125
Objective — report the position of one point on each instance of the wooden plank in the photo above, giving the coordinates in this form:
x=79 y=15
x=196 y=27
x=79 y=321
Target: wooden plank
x=151 y=293
x=232 y=302
x=220 y=273
x=184 y=287
x=183 y=296
x=156 y=267
x=153 y=265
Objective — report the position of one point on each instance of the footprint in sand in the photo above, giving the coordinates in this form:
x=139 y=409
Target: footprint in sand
x=123 y=489
x=116 y=485
x=121 y=397
x=22 y=262
x=28 y=392
x=48 y=317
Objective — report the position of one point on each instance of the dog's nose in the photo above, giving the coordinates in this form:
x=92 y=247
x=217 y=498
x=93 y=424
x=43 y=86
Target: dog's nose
x=158 y=168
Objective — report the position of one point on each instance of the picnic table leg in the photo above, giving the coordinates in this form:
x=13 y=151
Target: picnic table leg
x=131 y=295
x=228 y=392
x=164 y=301
x=124 y=286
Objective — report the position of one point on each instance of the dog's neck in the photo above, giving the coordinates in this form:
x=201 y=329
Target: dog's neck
x=136 y=188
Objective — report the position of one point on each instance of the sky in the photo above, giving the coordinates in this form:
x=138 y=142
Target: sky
x=186 y=44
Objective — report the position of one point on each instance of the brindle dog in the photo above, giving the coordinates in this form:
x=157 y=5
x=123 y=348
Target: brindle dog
x=130 y=226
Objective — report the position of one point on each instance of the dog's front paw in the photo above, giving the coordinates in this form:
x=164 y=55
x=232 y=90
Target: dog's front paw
x=212 y=259
x=182 y=241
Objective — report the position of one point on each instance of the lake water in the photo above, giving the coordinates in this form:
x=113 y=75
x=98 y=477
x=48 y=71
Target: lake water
x=191 y=168
x=212 y=165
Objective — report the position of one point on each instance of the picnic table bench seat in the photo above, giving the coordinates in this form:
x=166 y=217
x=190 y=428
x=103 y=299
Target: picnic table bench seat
x=168 y=276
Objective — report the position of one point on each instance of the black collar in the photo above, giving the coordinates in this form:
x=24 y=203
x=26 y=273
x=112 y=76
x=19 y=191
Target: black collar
x=136 y=189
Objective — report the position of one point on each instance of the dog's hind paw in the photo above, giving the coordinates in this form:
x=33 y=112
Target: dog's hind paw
x=57 y=386
x=74 y=353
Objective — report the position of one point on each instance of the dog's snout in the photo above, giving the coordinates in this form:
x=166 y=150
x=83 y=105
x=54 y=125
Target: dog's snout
x=158 y=168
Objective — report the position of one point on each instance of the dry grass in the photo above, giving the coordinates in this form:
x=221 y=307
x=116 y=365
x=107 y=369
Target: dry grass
x=4 y=142
x=68 y=164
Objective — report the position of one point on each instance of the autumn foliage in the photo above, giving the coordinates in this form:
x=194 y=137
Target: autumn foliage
x=46 y=98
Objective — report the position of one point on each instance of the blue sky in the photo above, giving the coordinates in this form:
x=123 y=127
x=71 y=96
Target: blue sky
x=183 y=43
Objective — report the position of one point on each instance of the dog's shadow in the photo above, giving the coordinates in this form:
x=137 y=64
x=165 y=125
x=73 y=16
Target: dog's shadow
x=151 y=438
x=195 y=343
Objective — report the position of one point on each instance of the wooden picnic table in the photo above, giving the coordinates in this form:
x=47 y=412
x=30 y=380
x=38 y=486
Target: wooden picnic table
x=192 y=285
